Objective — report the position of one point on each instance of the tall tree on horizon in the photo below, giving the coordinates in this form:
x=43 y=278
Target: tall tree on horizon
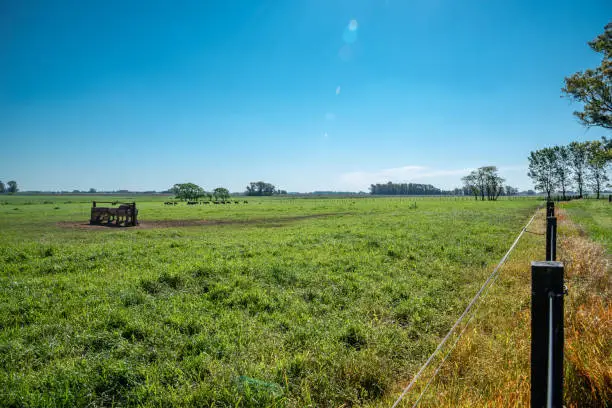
x=484 y=182
x=470 y=183
x=597 y=162
x=221 y=193
x=11 y=187
x=260 y=188
x=578 y=163
x=542 y=170
x=187 y=191
x=493 y=182
x=593 y=87
x=561 y=167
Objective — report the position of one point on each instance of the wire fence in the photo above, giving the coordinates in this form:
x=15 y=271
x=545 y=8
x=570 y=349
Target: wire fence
x=468 y=313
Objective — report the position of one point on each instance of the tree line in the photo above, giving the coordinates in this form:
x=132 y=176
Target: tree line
x=579 y=165
x=261 y=188
x=483 y=182
x=10 y=187
x=193 y=192
x=404 y=189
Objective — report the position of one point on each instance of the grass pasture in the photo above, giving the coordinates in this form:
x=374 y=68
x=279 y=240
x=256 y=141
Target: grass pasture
x=594 y=218
x=301 y=302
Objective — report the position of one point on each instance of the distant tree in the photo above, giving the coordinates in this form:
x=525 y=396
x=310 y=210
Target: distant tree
x=12 y=187
x=597 y=161
x=221 y=193
x=92 y=190
x=493 y=182
x=562 y=167
x=470 y=183
x=187 y=191
x=2 y=187
x=484 y=182
x=511 y=191
x=76 y=191
x=578 y=164
x=260 y=188
x=593 y=87
x=481 y=183
x=542 y=169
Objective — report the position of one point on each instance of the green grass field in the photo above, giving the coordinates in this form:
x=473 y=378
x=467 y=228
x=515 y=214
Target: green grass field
x=595 y=217
x=278 y=302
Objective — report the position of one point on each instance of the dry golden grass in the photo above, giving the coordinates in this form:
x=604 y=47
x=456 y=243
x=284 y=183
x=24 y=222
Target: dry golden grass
x=588 y=320
x=490 y=365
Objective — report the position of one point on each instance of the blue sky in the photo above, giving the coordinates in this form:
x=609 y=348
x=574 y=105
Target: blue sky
x=308 y=95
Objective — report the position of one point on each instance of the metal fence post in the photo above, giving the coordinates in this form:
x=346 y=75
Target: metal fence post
x=551 y=238
x=546 y=334
x=550 y=208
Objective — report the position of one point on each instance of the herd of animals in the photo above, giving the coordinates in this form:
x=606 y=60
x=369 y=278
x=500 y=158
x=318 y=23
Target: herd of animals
x=207 y=202
x=127 y=214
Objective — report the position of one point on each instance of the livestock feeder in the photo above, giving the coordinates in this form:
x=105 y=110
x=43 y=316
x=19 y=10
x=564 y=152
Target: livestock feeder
x=125 y=215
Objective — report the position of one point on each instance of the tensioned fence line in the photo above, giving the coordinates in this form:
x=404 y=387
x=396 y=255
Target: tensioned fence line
x=470 y=308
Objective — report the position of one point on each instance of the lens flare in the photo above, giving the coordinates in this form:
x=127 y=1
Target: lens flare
x=350 y=32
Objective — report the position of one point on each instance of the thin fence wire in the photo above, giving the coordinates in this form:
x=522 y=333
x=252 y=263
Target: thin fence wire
x=549 y=381
x=439 y=367
x=483 y=289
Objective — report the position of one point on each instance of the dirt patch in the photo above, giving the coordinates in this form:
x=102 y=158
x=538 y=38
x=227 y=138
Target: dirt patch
x=270 y=222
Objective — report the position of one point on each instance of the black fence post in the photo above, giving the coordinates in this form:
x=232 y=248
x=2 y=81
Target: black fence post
x=551 y=238
x=550 y=208
x=547 y=334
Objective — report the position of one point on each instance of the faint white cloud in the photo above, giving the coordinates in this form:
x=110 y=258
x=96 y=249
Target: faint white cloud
x=405 y=174
x=515 y=175
x=325 y=135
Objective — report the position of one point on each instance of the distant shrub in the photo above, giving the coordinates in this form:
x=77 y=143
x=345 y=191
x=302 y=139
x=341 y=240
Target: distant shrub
x=150 y=286
x=353 y=337
x=174 y=281
x=132 y=298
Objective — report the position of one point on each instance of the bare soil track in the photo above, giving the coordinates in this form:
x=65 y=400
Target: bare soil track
x=270 y=222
